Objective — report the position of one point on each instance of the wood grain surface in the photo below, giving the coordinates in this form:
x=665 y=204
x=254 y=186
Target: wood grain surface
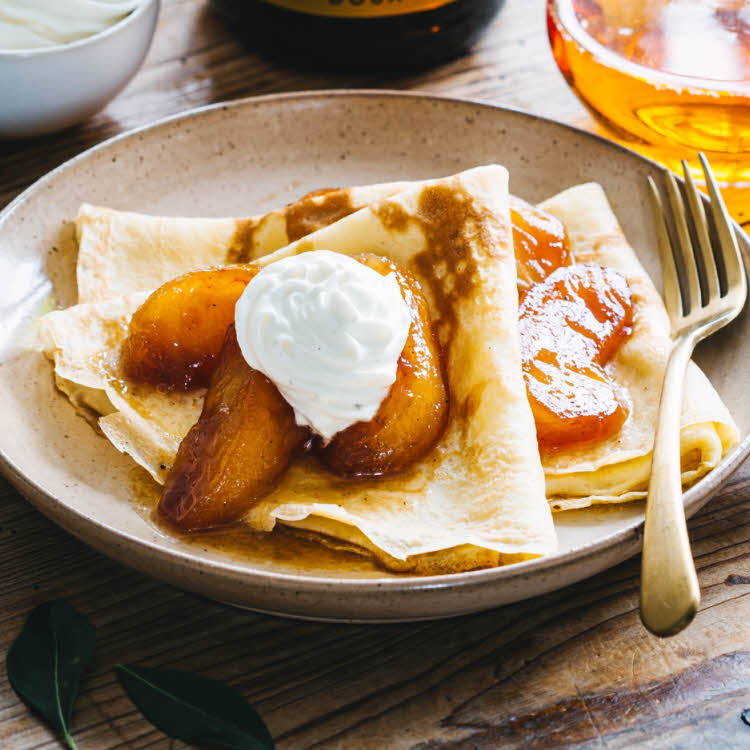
x=570 y=669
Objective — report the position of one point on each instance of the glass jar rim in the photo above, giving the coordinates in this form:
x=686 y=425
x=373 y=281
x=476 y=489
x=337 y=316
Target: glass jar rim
x=569 y=23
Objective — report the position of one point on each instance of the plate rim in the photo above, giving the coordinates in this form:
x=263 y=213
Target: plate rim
x=44 y=501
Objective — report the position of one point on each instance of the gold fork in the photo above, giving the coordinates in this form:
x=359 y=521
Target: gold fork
x=698 y=305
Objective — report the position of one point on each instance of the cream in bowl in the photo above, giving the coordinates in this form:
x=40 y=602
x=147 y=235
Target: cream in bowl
x=60 y=62
x=31 y=24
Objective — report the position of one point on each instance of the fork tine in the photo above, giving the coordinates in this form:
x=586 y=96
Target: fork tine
x=672 y=298
x=727 y=241
x=685 y=245
x=698 y=215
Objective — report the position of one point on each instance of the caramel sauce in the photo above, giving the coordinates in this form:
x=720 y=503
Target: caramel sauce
x=539 y=241
x=571 y=324
x=292 y=550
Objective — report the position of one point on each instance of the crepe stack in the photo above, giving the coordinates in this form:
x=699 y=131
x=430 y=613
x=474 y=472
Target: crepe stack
x=478 y=499
x=484 y=496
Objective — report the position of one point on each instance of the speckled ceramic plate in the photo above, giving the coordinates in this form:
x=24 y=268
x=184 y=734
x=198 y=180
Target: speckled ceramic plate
x=248 y=157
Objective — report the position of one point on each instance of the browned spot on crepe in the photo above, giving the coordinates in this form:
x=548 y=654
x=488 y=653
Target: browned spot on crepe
x=449 y=220
x=393 y=216
x=310 y=213
x=241 y=245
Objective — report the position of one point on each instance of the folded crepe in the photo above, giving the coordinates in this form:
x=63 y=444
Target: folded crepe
x=618 y=468
x=121 y=252
x=478 y=498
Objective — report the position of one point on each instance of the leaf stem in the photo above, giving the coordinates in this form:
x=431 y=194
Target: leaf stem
x=66 y=731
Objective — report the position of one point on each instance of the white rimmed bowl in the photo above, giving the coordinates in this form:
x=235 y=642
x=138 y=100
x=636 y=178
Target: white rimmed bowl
x=48 y=89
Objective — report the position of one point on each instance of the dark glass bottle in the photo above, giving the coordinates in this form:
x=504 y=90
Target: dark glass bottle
x=359 y=35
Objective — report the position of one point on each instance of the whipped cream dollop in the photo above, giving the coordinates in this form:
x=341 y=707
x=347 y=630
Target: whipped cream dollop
x=328 y=331
x=31 y=24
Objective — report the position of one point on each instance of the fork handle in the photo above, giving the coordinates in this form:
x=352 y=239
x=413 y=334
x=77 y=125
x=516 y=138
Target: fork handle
x=669 y=585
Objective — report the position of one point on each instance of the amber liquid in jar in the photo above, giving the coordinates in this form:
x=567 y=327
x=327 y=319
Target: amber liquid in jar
x=348 y=36
x=668 y=78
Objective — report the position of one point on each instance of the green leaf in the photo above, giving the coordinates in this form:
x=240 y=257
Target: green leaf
x=195 y=709
x=47 y=659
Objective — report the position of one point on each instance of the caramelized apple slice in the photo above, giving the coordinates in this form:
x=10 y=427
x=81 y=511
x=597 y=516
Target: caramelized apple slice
x=235 y=452
x=175 y=336
x=413 y=415
x=539 y=241
x=571 y=325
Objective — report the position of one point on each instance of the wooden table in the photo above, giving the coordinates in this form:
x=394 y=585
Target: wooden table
x=570 y=669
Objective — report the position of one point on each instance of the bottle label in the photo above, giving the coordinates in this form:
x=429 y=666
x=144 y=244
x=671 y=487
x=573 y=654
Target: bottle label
x=359 y=8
